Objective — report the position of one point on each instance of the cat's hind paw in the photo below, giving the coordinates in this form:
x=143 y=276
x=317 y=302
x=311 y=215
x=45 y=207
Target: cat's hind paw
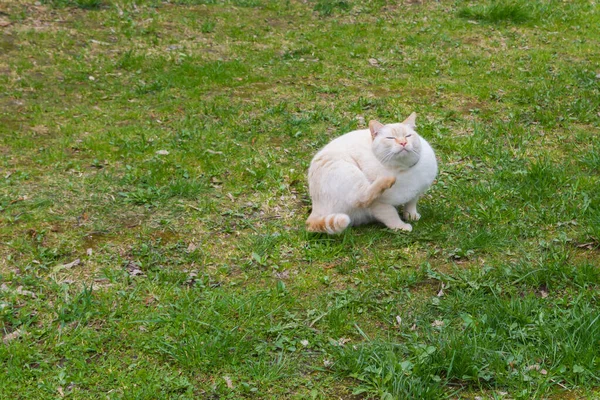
x=387 y=182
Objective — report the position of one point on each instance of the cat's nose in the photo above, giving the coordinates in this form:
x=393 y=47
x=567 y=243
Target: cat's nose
x=401 y=142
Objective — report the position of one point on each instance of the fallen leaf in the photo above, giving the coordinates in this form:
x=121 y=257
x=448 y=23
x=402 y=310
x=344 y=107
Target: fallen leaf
x=398 y=320
x=283 y=275
x=191 y=277
x=25 y=292
x=543 y=372
x=89 y=251
x=437 y=323
x=4 y=22
x=162 y=152
x=13 y=335
x=21 y=198
x=228 y=382
x=191 y=247
x=374 y=62
x=304 y=342
x=590 y=245
x=134 y=269
x=66 y=266
x=40 y=129
x=533 y=366
x=149 y=300
x=213 y=151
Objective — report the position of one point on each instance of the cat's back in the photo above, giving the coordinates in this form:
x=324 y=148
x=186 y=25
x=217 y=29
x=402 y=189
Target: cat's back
x=354 y=142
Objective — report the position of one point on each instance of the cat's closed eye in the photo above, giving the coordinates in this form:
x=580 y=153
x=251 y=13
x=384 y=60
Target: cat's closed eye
x=390 y=137
x=409 y=135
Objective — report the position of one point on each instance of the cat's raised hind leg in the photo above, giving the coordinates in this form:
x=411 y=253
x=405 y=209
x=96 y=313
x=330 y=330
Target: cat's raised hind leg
x=375 y=190
x=388 y=215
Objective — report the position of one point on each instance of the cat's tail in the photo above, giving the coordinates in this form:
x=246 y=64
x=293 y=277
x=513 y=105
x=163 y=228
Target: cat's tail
x=332 y=223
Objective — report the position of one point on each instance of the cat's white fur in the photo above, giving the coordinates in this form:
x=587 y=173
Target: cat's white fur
x=364 y=175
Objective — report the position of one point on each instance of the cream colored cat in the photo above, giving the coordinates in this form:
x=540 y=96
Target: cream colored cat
x=364 y=175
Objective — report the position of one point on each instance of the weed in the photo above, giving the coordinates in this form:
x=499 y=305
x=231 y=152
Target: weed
x=498 y=11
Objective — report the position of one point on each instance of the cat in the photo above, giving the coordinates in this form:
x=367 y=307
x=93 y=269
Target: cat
x=364 y=175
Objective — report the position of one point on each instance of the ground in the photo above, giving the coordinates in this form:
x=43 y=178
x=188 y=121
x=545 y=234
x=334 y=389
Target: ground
x=153 y=194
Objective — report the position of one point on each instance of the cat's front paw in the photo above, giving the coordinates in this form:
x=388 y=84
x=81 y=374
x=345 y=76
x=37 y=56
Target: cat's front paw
x=411 y=216
x=402 y=227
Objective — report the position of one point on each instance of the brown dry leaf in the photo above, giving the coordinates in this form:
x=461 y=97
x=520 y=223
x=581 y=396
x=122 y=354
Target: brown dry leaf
x=20 y=198
x=587 y=246
x=283 y=275
x=228 y=382
x=40 y=129
x=374 y=62
x=437 y=323
x=191 y=247
x=4 y=22
x=25 y=292
x=13 y=335
x=149 y=300
x=134 y=269
x=66 y=266
x=533 y=366
x=191 y=279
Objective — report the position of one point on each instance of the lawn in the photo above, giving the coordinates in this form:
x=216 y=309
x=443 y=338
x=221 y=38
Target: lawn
x=153 y=193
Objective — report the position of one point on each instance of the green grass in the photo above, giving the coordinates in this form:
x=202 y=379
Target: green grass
x=165 y=146
x=497 y=11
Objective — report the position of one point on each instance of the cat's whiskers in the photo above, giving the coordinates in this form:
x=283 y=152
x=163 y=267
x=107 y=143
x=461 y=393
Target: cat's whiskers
x=388 y=157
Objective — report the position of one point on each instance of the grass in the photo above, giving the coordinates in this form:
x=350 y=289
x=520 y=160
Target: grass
x=498 y=11
x=153 y=161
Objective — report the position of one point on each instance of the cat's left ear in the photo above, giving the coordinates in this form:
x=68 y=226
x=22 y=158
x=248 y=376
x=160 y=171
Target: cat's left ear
x=410 y=121
x=375 y=127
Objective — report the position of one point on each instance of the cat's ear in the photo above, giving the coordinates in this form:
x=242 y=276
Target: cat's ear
x=410 y=121
x=375 y=127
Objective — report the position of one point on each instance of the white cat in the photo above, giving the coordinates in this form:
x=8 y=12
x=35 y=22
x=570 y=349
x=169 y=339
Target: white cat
x=364 y=175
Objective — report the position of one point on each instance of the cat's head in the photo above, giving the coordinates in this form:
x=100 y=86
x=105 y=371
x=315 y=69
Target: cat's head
x=396 y=145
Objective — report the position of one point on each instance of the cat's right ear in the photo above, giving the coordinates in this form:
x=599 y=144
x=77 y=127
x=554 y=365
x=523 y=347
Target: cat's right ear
x=375 y=127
